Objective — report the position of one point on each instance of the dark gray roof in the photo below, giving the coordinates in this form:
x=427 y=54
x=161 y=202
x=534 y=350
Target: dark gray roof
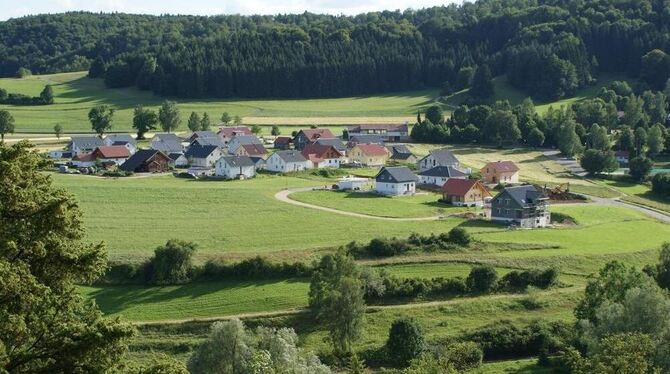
x=367 y=139
x=215 y=140
x=86 y=142
x=238 y=161
x=443 y=171
x=167 y=146
x=444 y=157
x=138 y=159
x=200 y=151
x=524 y=195
x=247 y=139
x=399 y=152
x=398 y=174
x=167 y=137
x=291 y=156
x=175 y=155
x=335 y=142
x=116 y=138
x=257 y=160
x=204 y=134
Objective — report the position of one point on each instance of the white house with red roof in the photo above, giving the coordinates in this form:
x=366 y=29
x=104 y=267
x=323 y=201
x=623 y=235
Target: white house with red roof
x=323 y=156
x=310 y=136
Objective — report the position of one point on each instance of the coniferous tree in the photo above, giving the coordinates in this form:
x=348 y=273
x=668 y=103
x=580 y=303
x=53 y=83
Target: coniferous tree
x=482 y=84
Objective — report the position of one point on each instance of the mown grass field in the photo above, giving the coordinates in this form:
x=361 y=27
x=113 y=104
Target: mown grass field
x=75 y=94
x=637 y=193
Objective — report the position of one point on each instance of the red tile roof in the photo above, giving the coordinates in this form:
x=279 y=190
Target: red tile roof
x=319 y=150
x=459 y=187
x=84 y=157
x=373 y=149
x=111 y=151
x=229 y=132
x=316 y=134
x=502 y=166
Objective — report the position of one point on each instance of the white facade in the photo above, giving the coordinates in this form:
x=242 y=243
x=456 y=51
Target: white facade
x=329 y=163
x=395 y=189
x=224 y=169
x=117 y=161
x=278 y=165
x=206 y=162
x=434 y=180
x=353 y=183
x=200 y=171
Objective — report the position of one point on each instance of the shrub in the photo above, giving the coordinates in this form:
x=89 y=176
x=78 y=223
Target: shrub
x=660 y=184
x=172 y=263
x=253 y=268
x=639 y=168
x=482 y=279
x=459 y=236
x=520 y=280
x=405 y=341
x=463 y=356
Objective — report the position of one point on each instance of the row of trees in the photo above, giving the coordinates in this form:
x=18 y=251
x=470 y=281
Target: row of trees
x=46 y=97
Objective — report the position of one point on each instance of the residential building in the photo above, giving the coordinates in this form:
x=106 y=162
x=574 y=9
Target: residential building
x=84 y=144
x=239 y=140
x=212 y=140
x=369 y=154
x=395 y=181
x=203 y=156
x=282 y=142
x=439 y=175
x=117 y=154
x=252 y=150
x=111 y=139
x=287 y=161
x=322 y=156
x=365 y=139
x=147 y=161
x=178 y=159
x=309 y=136
x=337 y=143
x=226 y=133
x=500 y=172
x=166 y=143
x=389 y=132
x=83 y=160
x=351 y=183
x=438 y=157
x=464 y=192
x=201 y=134
x=524 y=206
x=235 y=167
x=401 y=153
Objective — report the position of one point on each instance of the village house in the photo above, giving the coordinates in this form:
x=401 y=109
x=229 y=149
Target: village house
x=322 y=156
x=438 y=157
x=178 y=159
x=203 y=156
x=389 y=132
x=235 y=167
x=282 y=142
x=287 y=161
x=122 y=139
x=259 y=162
x=83 y=160
x=201 y=134
x=365 y=139
x=117 y=154
x=439 y=175
x=147 y=161
x=84 y=144
x=401 y=153
x=622 y=157
x=464 y=192
x=226 y=133
x=523 y=206
x=500 y=172
x=395 y=181
x=251 y=150
x=352 y=183
x=240 y=140
x=215 y=141
x=337 y=143
x=309 y=136
x=166 y=143
x=369 y=154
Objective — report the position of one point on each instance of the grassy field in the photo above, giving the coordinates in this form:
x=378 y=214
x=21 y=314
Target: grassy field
x=421 y=205
x=75 y=94
x=638 y=193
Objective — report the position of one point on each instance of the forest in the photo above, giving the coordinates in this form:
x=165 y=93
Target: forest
x=548 y=48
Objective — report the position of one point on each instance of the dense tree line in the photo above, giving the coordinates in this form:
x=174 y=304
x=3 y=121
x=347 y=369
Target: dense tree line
x=548 y=48
x=46 y=97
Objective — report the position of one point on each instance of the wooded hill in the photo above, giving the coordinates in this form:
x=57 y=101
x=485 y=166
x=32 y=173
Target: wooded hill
x=549 y=48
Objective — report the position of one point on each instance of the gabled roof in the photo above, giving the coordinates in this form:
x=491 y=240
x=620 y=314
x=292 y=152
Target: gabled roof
x=319 y=150
x=210 y=140
x=366 y=138
x=524 y=195
x=397 y=174
x=444 y=157
x=443 y=171
x=257 y=160
x=246 y=139
x=86 y=142
x=254 y=149
x=238 y=161
x=502 y=166
x=111 y=151
x=283 y=140
x=166 y=137
x=202 y=134
x=335 y=142
x=460 y=187
x=291 y=156
x=379 y=126
x=230 y=131
x=200 y=151
x=399 y=148
x=174 y=156
x=372 y=149
x=139 y=158
x=84 y=157
x=166 y=143
x=315 y=134
x=124 y=138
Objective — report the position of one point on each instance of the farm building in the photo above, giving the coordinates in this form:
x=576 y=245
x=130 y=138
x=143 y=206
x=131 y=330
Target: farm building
x=117 y=154
x=523 y=206
x=369 y=154
x=464 y=192
x=352 y=183
x=395 y=181
x=203 y=156
x=439 y=175
x=235 y=167
x=389 y=132
x=147 y=161
x=309 y=136
x=438 y=157
x=84 y=144
x=500 y=172
x=322 y=156
x=287 y=161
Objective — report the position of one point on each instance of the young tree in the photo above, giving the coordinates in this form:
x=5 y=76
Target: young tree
x=568 y=141
x=618 y=353
x=46 y=326
x=633 y=112
x=501 y=126
x=535 y=138
x=482 y=83
x=626 y=140
x=101 y=119
x=255 y=129
x=225 y=118
x=58 y=130
x=193 y=123
x=275 y=131
x=168 y=116
x=405 y=341
x=237 y=120
x=482 y=279
x=464 y=77
x=6 y=124
x=639 y=168
x=596 y=162
x=655 y=140
x=434 y=114
x=226 y=350
x=23 y=73
x=598 y=138
x=640 y=140
x=205 y=123
x=172 y=263
x=47 y=95
x=663 y=267
x=144 y=120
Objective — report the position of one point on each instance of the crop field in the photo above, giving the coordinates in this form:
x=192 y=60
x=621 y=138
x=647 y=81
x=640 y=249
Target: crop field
x=75 y=95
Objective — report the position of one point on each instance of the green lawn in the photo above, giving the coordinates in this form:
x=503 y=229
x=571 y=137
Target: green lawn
x=424 y=204
x=75 y=94
x=638 y=193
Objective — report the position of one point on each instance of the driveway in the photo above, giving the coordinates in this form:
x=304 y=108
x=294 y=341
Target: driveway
x=569 y=163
